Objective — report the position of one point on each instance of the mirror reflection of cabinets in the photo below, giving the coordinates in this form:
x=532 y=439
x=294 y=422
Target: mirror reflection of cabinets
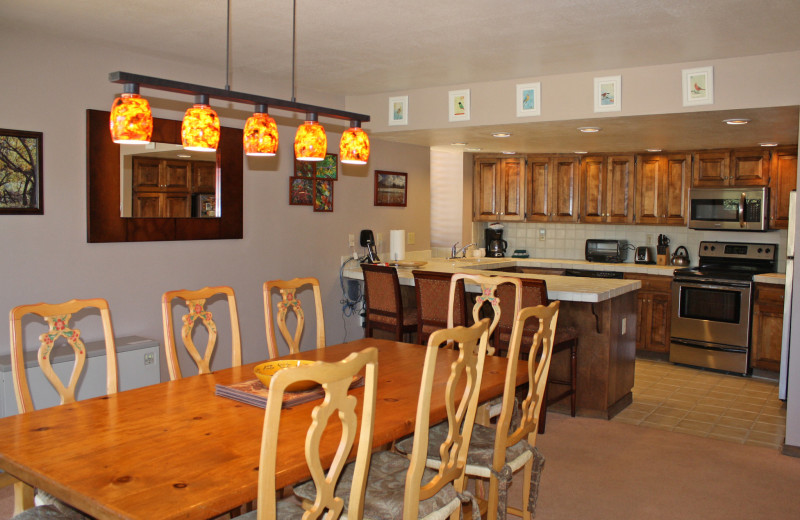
x=173 y=188
x=105 y=189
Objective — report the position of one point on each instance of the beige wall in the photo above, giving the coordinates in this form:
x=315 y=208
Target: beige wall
x=48 y=84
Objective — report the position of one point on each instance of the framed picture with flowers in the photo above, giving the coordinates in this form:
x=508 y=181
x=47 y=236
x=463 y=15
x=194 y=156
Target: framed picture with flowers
x=323 y=195
x=301 y=191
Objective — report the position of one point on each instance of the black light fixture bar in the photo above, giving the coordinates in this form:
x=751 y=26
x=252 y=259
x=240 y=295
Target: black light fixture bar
x=230 y=95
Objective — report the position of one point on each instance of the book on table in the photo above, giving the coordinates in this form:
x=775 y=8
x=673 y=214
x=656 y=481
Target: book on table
x=253 y=392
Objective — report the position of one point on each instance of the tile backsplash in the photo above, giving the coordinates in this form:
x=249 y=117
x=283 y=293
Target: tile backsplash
x=567 y=241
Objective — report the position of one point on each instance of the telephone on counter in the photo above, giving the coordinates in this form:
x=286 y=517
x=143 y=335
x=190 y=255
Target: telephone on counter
x=368 y=241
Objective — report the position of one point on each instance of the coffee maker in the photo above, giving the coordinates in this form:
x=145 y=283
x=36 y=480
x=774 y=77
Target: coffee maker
x=495 y=245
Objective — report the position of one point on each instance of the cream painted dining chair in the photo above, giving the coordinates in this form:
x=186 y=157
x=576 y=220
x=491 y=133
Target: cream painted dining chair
x=195 y=302
x=335 y=379
x=57 y=317
x=401 y=487
x=290 y=302
x=496 y=453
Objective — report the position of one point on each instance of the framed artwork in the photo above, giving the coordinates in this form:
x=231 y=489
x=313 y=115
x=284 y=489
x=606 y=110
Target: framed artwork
x=608 y=94
x=21 y=177
x=698 y=86
x=326 y=168
x=390 y=188
x=529 y=99
x=304 y=168
x=323 y=195
x=458 y=107
x=301 y=191
x=398 y=110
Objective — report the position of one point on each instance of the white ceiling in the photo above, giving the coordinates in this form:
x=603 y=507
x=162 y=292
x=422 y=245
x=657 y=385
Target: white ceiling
x=354 y=47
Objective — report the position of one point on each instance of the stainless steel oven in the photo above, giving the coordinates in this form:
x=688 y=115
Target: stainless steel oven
x=712 y=305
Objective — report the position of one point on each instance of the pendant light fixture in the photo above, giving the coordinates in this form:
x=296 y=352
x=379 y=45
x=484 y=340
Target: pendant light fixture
x=260 y=133
x=310 y=141
x=200 y=129
x=131 y=120
x=354 y=146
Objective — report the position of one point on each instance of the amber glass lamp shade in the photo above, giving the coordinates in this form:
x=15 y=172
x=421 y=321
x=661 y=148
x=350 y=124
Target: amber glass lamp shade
x=200 y=129
x=260 y=134
x=310 y=142
x=131 y=121
x=354 y=146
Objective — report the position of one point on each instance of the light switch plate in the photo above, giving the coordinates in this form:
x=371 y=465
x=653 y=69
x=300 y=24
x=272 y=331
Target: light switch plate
x=542 y=234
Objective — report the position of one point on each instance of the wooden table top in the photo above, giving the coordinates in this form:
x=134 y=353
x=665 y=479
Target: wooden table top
x=175 y=450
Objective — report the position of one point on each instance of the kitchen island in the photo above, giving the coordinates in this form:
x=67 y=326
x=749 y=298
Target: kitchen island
x=602 y=310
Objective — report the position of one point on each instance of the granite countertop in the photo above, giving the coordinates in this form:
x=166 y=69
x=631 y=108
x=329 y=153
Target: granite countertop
x=564 y=288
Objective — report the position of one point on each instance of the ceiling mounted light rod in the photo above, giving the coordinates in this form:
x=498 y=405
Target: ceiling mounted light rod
x=231 y=95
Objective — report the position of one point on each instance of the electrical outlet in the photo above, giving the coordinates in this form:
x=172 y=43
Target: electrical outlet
x=351 y=240
x=542 y=234
x=624 y=326
x=412 y=238
x=649 y=240
x=149 y=358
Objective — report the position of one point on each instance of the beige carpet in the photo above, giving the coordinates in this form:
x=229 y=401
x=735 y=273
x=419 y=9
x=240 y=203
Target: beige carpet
x=598 y=469
x=602 y=470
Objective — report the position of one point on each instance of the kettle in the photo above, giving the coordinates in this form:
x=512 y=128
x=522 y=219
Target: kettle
x=680 y=259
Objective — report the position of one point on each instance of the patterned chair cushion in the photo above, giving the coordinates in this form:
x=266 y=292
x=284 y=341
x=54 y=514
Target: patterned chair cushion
x=48 y=512
x=385 y=490
x=481 y=448
x=287 y=509
x=43 y=498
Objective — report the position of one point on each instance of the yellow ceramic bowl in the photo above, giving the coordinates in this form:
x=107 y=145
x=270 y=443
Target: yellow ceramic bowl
x=265 y=371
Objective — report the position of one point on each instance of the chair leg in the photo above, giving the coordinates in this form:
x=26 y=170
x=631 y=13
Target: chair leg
x=543 y=411
x=526 y=489
x=574 y=375
x=23 y=497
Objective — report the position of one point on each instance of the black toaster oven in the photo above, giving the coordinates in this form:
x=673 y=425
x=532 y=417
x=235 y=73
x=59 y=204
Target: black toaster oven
x=606 y=250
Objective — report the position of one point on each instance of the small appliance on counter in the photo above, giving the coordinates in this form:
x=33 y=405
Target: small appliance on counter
x=680 y=257
x=644 y=255
x=520 y=253
x=606 y=250
x=495 y=245
x=367 y=240
x=662 y=250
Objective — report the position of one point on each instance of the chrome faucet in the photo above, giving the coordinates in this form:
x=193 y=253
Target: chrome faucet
x=454 y=252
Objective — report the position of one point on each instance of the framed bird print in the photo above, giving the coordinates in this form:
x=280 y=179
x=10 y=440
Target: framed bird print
x=529 y=97
x=458 y=108
x=608 y=94
x=698 y=86
x=398 y=110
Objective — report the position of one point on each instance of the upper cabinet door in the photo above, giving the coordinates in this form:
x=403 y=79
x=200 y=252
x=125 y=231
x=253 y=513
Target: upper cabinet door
x=537 y=185
x=484 y=189
x=782 y=180
x=512 y=194
x=662 y=183
x=564 y=189
x=675 y=199
x=750 y=167
x=649 y=188
x=593 y=192
x=711 y=169
x=619 y=189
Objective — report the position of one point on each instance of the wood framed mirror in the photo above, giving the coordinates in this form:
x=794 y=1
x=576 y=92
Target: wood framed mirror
x=103 y=189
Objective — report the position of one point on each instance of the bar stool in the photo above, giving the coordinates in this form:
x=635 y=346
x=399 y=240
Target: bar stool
x=534 y=292
x=432 y=291
x=384 y=304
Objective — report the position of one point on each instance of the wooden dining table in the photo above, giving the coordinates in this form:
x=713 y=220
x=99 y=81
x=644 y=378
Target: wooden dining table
x=175 y=450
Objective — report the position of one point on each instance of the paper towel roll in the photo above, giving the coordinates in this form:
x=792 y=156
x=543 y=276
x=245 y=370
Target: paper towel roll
x=397 y=244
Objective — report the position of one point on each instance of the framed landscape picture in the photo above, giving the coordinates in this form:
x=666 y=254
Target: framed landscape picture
x=301 y=191
x=390 y=188
x=323 y=195
x=21 y=177
x=326 y=168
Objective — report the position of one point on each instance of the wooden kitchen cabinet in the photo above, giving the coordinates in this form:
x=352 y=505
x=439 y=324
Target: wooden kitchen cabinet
x=739 y=167
x=552 y=188
x=499 y=189
x=662 y=188
x=607 y=189
x=782 y=180
x=162 y=187
x=204 y=177
x=653 y=311
x=767 y=326
x=161 y=204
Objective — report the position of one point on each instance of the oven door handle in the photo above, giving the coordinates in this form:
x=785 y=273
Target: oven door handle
x=742 y=202
x=711 y=284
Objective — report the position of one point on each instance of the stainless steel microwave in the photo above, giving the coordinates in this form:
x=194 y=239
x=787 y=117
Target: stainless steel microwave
x=730 y=209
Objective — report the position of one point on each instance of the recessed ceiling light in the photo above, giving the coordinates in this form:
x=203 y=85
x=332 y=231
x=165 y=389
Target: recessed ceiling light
x=184 y=155
x=501 y=134
x=589 y=129
x=654 y=150
x=736 y=121
x=580 y=152
x=458 y=144
x=768 y=144
x=509 y=153
x=472 y=149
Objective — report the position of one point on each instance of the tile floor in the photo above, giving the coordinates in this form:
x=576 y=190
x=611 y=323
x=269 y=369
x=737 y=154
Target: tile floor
x=745 y=410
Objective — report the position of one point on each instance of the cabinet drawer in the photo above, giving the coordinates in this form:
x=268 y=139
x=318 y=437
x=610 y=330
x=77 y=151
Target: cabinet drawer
x=651 y=282
x=770 y=292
